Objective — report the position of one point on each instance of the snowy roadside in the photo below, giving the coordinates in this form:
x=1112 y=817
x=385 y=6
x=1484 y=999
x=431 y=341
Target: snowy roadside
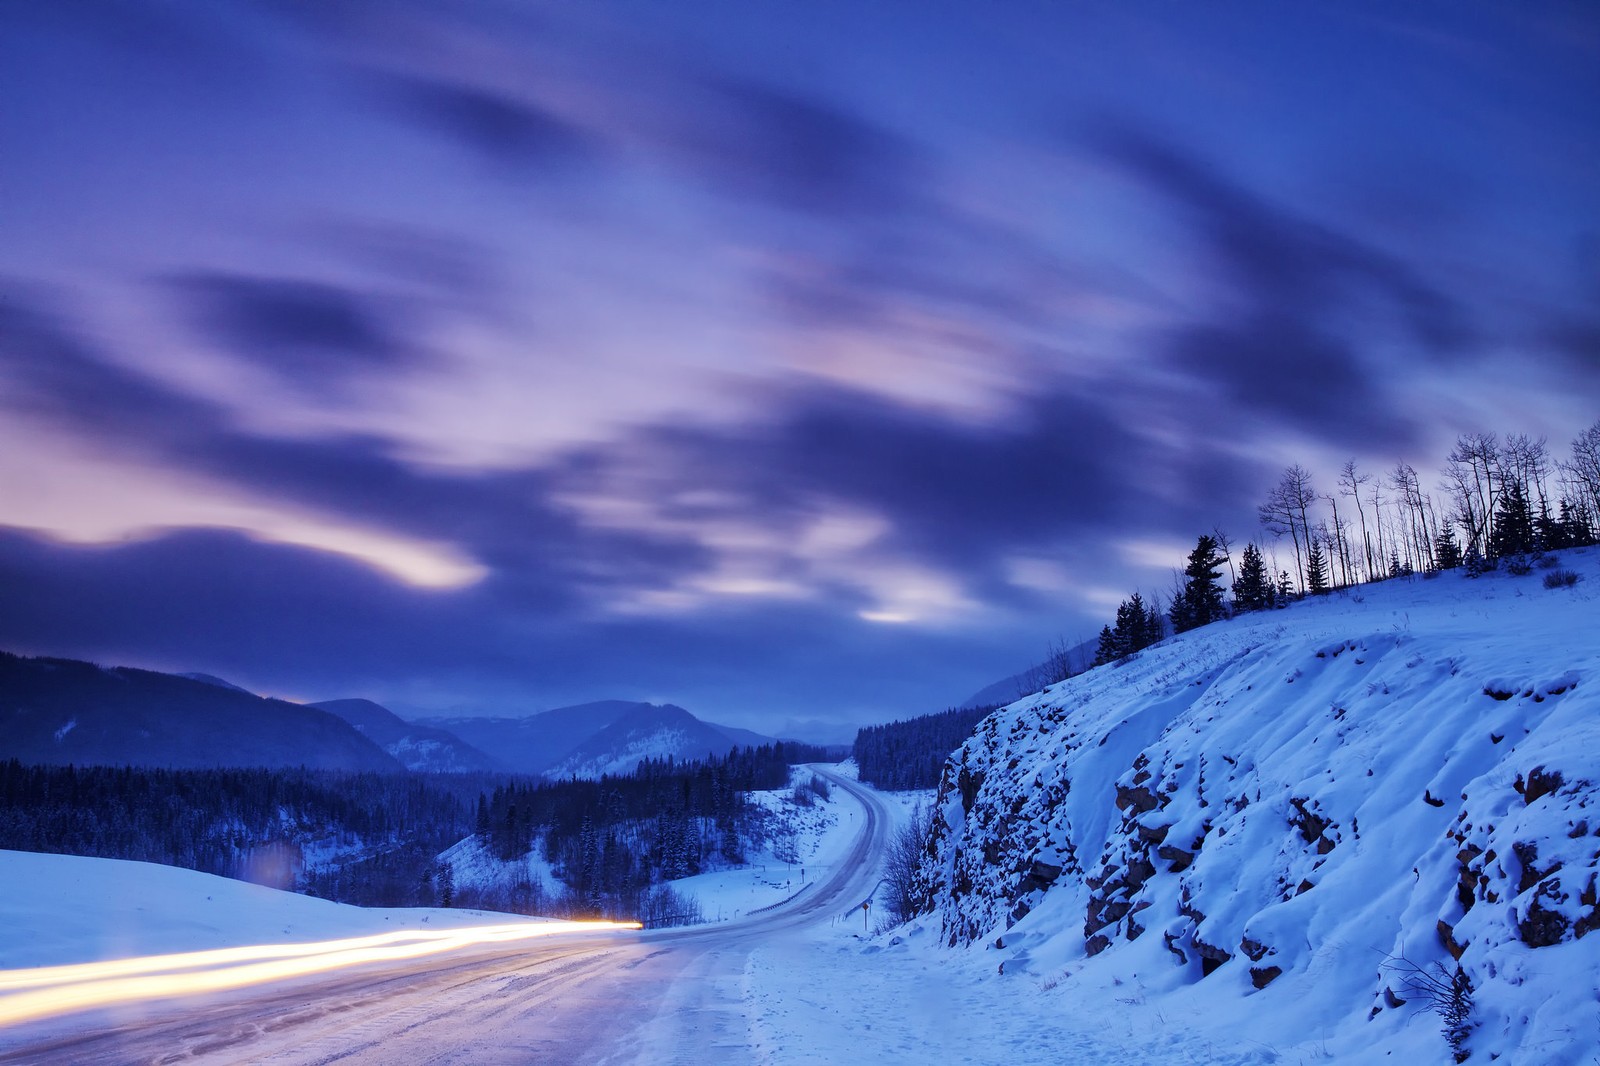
x=830 y=993
x=64 y=909
x=822 y=833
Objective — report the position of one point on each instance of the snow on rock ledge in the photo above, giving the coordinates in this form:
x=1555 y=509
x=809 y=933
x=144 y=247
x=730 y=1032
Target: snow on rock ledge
x=1292 y=803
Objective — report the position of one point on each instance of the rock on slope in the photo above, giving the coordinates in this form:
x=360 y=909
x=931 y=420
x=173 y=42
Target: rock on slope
x=1299 y=806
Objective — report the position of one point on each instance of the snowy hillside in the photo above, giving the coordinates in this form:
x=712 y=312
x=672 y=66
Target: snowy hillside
x=1270 y=825
x=647 y=731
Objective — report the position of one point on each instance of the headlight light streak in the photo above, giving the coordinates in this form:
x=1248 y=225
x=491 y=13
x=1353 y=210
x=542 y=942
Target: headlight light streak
x=32 y=994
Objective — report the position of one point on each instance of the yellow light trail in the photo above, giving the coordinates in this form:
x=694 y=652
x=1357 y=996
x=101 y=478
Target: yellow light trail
x=29 y=995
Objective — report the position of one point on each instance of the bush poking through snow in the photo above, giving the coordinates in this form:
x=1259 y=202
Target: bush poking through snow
x=1447 y=994
x=906 y=850
x=1561 y=579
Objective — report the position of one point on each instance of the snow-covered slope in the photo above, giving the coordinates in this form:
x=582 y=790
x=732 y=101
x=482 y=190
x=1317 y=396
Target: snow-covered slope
x=1282 y=817
x=63 y=909
x=649 y=731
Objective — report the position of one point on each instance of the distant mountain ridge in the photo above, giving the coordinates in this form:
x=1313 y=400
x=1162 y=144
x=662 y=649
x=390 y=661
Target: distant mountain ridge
x=648 y=731
x=413 y=745
x=65 y=711
x=591 y=739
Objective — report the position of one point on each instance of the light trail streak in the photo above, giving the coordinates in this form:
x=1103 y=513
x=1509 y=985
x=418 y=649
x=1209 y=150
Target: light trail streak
x=29 y=995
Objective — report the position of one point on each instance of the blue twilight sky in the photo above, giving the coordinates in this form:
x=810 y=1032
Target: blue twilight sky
x=803 y=364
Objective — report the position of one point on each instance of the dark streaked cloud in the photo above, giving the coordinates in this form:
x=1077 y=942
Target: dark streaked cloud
x=500 y=517
x=309 y=333
x=496 y=126
x=706 y=360
x=1281 y=259
x=803 y=153
x=1579 y=341
x=52 y=374
x=1305 y=300
x=247 y=608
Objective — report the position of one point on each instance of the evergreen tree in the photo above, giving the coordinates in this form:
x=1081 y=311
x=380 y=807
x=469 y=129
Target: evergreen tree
x=1548 y=531
x=1253 y=591
x=1513 y=524
x=1200 y=601
x=1108 y=650
x=1316 y=571
x=1577 y=529
x=1446 y=552
x=447 y=885
x=1285 y=594
x=1155 y=625
x=1133 y=623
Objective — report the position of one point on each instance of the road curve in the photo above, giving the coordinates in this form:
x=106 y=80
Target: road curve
x=658 y=997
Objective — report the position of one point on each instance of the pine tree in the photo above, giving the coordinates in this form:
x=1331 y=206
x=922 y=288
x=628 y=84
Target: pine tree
x=1576 y=528
x=1513 y=524
x=1155 y=626
x=1138 y=626
x=1316 y=571
x=1200 y=601
x=447 y=885
x=1446 y=552
x=1253 y=590
x=1107 y=651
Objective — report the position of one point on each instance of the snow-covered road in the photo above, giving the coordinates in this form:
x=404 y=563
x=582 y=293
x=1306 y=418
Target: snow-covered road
x=583 y=997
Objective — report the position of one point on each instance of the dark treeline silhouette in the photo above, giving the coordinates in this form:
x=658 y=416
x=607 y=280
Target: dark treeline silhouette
x=910 y=754
x=231 y=821
x=1497 y=502
x=1501 y=503
x=374 y=838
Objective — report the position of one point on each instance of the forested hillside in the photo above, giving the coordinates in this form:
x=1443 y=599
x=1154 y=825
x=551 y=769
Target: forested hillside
x=376 y=839
x=910 y=754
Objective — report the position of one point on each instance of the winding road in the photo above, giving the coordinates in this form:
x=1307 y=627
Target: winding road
x=614 y=997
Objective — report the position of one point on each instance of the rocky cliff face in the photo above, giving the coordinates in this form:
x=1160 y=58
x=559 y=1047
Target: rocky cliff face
x=1326 y=799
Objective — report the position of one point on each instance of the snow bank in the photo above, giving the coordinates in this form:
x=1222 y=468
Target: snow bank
x=1276 y=825
x=63 y=909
